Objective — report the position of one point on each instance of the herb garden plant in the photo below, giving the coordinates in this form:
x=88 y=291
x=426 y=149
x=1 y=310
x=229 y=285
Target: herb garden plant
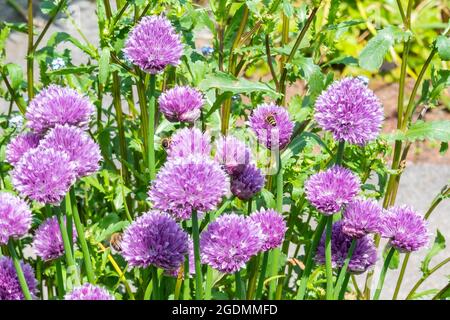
x=162 y=170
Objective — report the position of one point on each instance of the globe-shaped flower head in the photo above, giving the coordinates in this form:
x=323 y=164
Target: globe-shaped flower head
x=350 y=111
x=20 y=145
x=330 y=190
x=84 y=152
x=44 y=174
x=247 y=183
x=362 y=217
x=181 y=104
x=153 y=44
x=59 y=105
x=88 y=292
x=9 y=282
x=15 y=217
x=155 y=239
x=364 y=255
x=188 y=141
x=48 y=243
x=272 y=126
x=187 y=184
x=229 y=242
x=405 y=229
x=233 y=154
x=272 y=225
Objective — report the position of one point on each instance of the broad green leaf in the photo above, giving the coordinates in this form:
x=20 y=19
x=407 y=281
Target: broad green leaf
x=438 y=246
x=372 y=56
x=233 y=27
x=229 y=83
x=433 y=130
x=443 y=47
x=103 y=66
x=60 y=37
x=287 y=8
x=15 y=75
x=268 y=197
x=72 y=70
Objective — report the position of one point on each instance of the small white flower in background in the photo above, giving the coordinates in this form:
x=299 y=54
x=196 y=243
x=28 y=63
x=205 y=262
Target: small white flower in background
x=57 y=63
x=16 y=122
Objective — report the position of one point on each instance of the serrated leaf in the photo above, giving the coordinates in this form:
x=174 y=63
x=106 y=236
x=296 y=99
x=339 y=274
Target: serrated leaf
x=433 y=130
x=372 y=56
x=229 y=83
x=103 y=66
x=443 y=47
x=438 y=246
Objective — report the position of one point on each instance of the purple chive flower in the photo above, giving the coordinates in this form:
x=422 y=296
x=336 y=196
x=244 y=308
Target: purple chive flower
x=153 y=44
x=47 y=242
x=175 y=272
x=44 y=174
x=350 y=110
x=187 y=184
x=364 y=255
x=405 y=228
x=272 y=126
x=82 y=150
x=15 y=217
x=59 y=105
x=189 y=141
x=20 y=145
x=9 y=282
x=155 y=239
x=88 y=292
x=362 y=217
x=330 y=190
x=248 y=183
x=272 y=225
x=229 y=242
x=181 y=104
x=233 y=154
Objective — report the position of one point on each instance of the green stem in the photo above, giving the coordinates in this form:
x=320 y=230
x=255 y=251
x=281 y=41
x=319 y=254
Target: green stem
x=328 y=265
x=340 y=152
x=209 y=283
x=198 y=266
x=59 y=279
x=81 y=237
x=48 y=24
x=276 y=287
x=30 y=59
x=186 y=281
x=309 y=260
x=343 y=272
x=71 y=267
x=383 y=274
x=19 y=271
x=253 y=277
x=344 y=287
x=438 y=295
x=151 y=129
x=143 y=112
x=425 y=277
x=149 y=288
x=155 y=281
x=262 y=276
x=239 y=289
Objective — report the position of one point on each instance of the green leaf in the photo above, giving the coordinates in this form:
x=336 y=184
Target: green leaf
x=229 y=83
x=287 y=8
x=103 y=66
x=433 y=130
x=438 y=246
x=15 y=75
x=443 y=148
x=268 y=197
x=372 y=56
x=443 y=47
x=60 y=37
x=72 y=70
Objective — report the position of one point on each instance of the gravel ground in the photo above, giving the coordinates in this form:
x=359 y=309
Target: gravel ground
x=419 y=185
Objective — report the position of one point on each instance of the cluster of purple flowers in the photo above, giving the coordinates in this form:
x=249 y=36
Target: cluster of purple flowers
x=230 y=241
x=88 y=292
x=48 y=160
x=335 y=190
